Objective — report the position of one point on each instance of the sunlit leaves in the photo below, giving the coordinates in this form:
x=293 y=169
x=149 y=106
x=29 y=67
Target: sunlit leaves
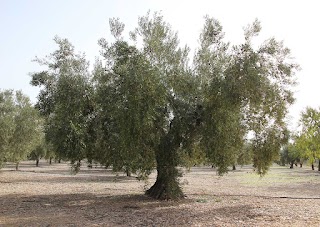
x=64 y=100
x=309 y=136
x=245 y=89
x=20 y=126
x=116 y=27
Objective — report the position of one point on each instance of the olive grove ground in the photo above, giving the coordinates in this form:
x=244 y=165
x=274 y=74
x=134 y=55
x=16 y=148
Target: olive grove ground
x=52 y=196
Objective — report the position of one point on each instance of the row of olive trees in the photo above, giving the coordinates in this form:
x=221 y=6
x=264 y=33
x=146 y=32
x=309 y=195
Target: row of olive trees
x=145 y=106
x=21 y=127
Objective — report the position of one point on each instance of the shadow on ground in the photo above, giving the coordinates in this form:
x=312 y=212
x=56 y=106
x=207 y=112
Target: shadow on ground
x=89 y=209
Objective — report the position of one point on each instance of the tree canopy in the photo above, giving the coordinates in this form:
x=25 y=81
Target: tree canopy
x=307 y=140
x=64 y=101
x=20 y=127
x=146 y=105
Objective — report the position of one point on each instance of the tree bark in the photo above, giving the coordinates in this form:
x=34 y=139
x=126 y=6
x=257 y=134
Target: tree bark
x=50 y=160
x=300 y=164
x=319 y=165
x=78 y=165
x=234 y=167
x=167 y=185
x=312 y=166
x=37 y=162
x=128 y=172
x=291 y=165
x=17 y=166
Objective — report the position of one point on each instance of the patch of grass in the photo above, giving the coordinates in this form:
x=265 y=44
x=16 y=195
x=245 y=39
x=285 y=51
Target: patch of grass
x=201 y=201
x=278 y=175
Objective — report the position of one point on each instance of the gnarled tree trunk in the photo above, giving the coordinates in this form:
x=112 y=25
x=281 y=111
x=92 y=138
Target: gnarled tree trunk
x=167 y=184
x=291 y=165
x=128 y=172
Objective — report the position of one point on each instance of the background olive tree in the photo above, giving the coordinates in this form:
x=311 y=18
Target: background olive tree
x=64 y=101
x=20 y=127
x=308 y=139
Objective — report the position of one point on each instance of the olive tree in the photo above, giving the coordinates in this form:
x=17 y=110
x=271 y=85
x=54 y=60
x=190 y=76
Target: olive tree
x=149 y=107
x=155 y=107
x=20 y=126
x=308 y=137
x=64 y=101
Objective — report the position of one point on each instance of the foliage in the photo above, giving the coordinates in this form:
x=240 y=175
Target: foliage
x=309 y=136
x=50 y=152
x=7 y=110
x=290 y=154
x=245 y=154
x=244 y=90
x=42 y=150
x=20 y=126
x=64 y=101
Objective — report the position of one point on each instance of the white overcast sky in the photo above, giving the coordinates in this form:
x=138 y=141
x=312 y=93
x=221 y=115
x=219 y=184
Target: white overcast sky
x=28 y=27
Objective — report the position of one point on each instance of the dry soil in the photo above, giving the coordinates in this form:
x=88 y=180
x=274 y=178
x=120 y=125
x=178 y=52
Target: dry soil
x=50 y=195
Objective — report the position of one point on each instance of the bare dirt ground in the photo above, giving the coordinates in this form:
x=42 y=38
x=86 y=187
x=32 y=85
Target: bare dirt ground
x=52 y=196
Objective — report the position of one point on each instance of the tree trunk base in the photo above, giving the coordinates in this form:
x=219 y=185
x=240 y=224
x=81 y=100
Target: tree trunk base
x=128 y=172
x=163 y=191
x=291 y=165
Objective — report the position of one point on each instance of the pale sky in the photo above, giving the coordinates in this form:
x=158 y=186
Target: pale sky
x=28 y=27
